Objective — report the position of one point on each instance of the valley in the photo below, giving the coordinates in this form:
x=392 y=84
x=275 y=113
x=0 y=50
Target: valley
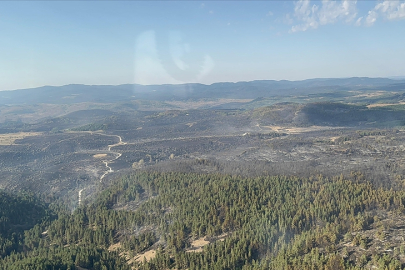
x=202 y=135
x=61 y=156
x=234 y=183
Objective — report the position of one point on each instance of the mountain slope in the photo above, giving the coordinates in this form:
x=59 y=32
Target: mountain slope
x=205 y=221
x=76 y=93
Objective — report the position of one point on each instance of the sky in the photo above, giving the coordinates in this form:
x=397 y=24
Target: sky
x=170 y=42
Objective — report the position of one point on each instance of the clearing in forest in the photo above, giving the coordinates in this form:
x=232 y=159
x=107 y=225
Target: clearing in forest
x=198 y=244
x=114 y=247
x=147 y=255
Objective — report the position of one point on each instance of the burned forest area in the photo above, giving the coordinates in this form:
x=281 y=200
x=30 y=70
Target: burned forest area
x=312 y=178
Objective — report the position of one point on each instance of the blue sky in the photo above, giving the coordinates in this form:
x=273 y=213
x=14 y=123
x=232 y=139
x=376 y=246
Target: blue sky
x=113 y=42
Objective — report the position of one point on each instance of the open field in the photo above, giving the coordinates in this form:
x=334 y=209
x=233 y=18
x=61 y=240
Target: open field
x=187 y=105
x=100 y=155
x=10 y=138
x=297 y=130
x=384 y=104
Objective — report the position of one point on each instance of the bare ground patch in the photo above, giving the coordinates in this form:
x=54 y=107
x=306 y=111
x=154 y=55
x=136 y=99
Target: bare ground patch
x=114 y=247
x=370 y=95
x=333 y=139
x=148 y=255
x=384 y=104
x=296 y=130
x=198 y=244
x=10 y=138
x=99 y=155
x=202 y=103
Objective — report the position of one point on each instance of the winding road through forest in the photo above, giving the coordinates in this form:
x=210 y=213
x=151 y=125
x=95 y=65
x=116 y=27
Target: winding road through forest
x=117 y=155
x=106 y=162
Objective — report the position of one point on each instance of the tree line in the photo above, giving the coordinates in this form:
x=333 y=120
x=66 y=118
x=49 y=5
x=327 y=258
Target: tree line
x=269 y=222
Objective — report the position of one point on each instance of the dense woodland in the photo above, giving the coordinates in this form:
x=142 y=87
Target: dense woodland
x=273 y=222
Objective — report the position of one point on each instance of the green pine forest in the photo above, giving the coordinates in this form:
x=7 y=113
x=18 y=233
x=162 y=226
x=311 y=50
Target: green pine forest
x=272 y=222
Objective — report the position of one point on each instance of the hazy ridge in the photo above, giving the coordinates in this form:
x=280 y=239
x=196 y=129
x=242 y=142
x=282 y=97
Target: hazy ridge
x=75 y=93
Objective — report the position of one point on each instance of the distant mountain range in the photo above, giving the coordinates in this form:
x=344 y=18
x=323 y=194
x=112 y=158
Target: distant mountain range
x=75 y=93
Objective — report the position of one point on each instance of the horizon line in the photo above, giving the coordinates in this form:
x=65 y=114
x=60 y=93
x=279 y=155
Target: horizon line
x=196 y=83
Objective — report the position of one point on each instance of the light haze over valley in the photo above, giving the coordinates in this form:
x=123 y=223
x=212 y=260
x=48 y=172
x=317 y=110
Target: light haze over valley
x=202 y=135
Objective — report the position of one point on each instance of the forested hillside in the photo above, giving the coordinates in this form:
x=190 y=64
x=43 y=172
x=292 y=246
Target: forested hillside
x=244 y=223
x=18 y=213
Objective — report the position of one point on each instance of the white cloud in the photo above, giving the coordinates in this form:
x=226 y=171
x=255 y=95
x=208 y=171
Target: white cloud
x=269 y=13
x=390 y=10
x=371 y=17
x=331 y=11
x=358 y=22
x=328 y=12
